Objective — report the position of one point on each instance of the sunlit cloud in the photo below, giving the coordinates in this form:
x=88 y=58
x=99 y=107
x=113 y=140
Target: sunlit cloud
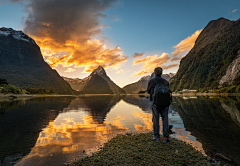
x=120 y=71
x=65 y=32
x=234 y=10
x=69 y=70
x=186 y=44
x=150 y=63
x=137 y=55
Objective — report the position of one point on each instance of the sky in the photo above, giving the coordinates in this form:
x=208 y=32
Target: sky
x=129 y=38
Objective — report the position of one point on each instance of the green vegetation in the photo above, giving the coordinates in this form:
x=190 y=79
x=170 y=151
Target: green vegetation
x=140 y=149
x=236 y=80
x=206 y=63
x=39 y=91
x=10 y=89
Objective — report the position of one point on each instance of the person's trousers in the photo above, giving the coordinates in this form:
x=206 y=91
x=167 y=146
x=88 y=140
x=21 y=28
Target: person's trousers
x=155 y=119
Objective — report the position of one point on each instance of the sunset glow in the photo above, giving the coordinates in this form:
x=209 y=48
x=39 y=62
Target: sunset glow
x=75 y=37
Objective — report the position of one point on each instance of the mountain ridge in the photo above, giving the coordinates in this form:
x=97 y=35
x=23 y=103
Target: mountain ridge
x=142 y=83
x=206 y=63
x=103 y=82
x=22 y=64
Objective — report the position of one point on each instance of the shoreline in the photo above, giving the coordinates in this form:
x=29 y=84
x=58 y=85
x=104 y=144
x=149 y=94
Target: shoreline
x=25 y=96
x=140 y=149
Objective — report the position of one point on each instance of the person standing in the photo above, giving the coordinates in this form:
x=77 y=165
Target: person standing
x=156 y=110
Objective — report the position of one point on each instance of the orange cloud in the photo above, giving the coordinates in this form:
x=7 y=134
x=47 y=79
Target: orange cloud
x=150 y=63
x=65 y=29
x=69 y=70
x=186 y=44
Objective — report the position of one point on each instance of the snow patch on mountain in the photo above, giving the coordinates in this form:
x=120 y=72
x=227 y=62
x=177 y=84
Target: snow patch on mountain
x=19 y=35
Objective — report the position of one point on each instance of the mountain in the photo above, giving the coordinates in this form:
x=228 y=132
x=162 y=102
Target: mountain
x=142 y=84
x=96 y=83
x=22 y=64
x=138 y=86
x=215 y=51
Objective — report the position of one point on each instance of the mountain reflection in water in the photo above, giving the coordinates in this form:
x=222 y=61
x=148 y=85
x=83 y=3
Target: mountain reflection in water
x=214 y=121
x=56 y=130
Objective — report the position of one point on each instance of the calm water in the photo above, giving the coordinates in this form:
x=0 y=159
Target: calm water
x=53 y=131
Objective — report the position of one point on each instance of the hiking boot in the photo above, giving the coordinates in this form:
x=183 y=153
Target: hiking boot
x=156 y=139
x=166 y=140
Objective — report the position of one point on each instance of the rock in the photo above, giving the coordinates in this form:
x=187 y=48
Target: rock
x=232 y=71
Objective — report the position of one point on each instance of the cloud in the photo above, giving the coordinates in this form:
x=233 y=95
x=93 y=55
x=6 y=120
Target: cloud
x=69 y=70
x=186 y=44
x=65 y=31
x=176 y=59
x=150 y=63
x=120 y=71
x=234 y=10
x=137 y=55
x=169 y=66
x=140 y=73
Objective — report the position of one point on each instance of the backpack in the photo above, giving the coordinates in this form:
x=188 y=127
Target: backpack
x=162 y=95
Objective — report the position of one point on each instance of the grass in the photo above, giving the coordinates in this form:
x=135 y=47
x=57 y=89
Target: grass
x=140 y=149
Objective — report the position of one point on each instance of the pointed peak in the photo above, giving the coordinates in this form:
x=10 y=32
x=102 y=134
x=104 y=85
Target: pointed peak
x=100 y=71
x=100 y=68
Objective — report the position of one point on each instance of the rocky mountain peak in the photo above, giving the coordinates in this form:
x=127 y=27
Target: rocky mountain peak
x=19 y=35
x=100 y=71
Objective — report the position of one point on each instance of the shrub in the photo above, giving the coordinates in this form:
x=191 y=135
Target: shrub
x=223 y=90
x=39 y=91
x=236 y=80
x=225 y=84
x=237 y=89
x=231 y=89
x=11 y=89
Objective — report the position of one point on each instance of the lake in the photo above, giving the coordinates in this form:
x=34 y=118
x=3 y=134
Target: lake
x=55 y=130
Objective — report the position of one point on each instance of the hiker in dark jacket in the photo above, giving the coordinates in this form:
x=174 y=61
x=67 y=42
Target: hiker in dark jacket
x=156 y=110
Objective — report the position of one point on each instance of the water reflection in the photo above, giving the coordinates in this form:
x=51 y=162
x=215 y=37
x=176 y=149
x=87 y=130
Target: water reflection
x=22 y=121
x=53 y=131
x=214 y=122
x=140 y=101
